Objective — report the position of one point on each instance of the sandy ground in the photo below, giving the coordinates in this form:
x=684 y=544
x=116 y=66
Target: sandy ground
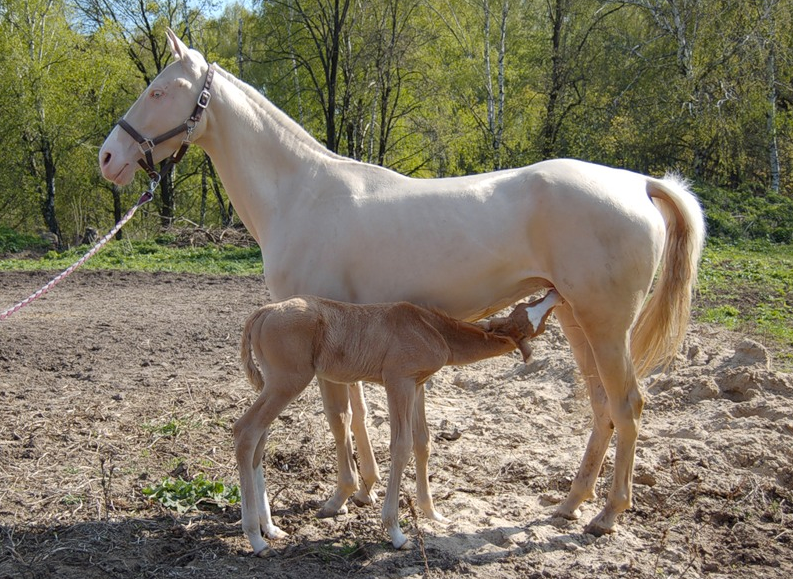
x=114 y=380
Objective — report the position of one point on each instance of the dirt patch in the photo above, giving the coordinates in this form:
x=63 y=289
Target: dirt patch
x=114 y=380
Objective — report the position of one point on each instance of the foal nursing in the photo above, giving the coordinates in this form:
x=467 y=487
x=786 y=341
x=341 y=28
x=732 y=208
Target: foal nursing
x=398 y=345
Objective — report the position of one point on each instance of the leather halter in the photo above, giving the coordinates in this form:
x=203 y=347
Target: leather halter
x=146 y=146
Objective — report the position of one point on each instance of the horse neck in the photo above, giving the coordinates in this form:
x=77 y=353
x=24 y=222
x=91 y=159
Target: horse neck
x=257 y=150
x=469 y=343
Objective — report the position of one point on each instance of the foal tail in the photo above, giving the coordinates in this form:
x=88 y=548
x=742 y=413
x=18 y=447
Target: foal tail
x=249 y=365
x=661 y=325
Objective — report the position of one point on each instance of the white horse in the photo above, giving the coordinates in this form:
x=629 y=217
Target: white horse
x=337 y=228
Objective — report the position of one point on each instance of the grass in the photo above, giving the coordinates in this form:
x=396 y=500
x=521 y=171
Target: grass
x=748 y=287
x=150 y=256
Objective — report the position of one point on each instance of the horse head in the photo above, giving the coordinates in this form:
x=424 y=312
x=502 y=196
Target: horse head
x=150 y=131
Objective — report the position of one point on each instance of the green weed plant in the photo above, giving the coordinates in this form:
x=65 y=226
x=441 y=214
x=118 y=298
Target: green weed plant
x=199 y=493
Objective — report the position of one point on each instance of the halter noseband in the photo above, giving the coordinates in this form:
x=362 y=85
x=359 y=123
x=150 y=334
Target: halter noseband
x=146 y=146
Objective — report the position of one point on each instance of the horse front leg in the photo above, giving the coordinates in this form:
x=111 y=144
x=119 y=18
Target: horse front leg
x=336 y=401
x=365 y=495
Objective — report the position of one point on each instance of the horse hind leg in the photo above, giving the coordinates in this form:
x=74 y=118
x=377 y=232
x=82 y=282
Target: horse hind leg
x=625 y=403
x=583 y=486
x=604 y=353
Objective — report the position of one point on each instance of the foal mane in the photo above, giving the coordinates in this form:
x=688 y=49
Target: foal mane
x=280 y=117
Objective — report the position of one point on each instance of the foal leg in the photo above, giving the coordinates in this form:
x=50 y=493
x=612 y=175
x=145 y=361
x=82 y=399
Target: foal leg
x=370 y=474
x=269 y=529
x=421 y=449
x=336 y=401
x=250 y=438
x=583 y=487
x=401 y=399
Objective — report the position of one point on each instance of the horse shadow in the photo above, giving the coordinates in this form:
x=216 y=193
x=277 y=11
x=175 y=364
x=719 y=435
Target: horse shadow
x=211 y=545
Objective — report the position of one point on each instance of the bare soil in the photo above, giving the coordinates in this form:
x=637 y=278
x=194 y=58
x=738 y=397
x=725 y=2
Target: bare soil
x=114 y=380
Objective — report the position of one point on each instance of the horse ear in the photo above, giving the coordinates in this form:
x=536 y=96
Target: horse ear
x=178 y=48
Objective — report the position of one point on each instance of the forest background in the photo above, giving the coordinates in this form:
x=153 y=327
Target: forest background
x=429 y=88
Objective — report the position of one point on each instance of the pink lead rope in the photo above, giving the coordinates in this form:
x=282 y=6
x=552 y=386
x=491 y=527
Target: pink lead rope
x=145 y=198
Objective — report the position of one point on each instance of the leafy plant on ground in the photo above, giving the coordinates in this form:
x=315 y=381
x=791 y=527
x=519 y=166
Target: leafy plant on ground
x=198 y=493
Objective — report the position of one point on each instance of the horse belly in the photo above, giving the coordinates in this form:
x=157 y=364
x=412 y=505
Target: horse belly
x=465 y=270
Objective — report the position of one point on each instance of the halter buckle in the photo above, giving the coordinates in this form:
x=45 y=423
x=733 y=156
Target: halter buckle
x=146 y=146
x=203 y=99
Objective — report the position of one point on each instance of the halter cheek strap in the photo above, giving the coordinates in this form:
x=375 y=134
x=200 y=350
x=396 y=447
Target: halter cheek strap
x=147 y=146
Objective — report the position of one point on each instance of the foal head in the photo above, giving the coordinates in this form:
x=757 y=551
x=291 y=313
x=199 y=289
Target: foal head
x=526 y=321
x=168 y=101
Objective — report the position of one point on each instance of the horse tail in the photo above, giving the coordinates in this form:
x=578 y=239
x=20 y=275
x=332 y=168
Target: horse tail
x=661 y=325
x=252 y=371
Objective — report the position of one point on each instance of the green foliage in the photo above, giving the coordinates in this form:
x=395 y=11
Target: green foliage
x=198 y=493
x=13 y=242
x=749 y=287
x=740 y=214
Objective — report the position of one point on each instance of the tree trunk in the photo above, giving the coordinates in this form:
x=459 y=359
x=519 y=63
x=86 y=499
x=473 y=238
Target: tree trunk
x=167 y=199
x=550 y=128
x=48 y=202
x=226 y=214
x=117 y=209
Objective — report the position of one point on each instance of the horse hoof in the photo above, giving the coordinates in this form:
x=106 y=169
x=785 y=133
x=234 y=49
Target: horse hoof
x=365 y=499
x=598 y=529
x=326 y=513
x=573 y=515
x=264 y=553
x=406 y=546
x=434 y=515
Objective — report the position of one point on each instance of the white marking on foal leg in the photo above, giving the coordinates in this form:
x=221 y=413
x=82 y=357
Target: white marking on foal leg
x=401 y=400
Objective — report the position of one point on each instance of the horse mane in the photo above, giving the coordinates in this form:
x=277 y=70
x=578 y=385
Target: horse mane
x=280 y=117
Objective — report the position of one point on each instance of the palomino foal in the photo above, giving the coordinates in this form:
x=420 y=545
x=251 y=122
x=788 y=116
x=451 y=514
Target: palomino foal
x=398 y=345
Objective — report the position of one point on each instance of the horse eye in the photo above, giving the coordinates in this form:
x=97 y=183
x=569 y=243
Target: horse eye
x=155 y=94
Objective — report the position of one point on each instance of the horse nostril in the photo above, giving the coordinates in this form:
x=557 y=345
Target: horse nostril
x=106 y=158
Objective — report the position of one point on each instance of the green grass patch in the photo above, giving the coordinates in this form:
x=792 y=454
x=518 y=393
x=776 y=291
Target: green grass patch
x=748 y=287
x=198 y=493
x=150 y=256
x=13 y=242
